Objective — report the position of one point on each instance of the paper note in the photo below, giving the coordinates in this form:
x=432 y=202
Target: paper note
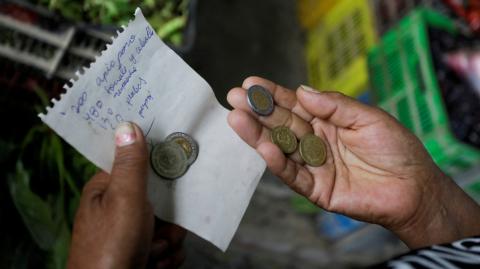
x=139 y=79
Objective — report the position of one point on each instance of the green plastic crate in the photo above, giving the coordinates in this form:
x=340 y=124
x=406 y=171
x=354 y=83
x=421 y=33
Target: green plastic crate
x=404 y=84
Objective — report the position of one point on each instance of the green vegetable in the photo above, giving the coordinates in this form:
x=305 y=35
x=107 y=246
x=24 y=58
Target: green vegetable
x=36 y=213
x=167 y=17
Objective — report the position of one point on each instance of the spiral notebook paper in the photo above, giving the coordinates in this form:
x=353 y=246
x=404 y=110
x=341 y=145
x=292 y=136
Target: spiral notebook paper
x=140 y=79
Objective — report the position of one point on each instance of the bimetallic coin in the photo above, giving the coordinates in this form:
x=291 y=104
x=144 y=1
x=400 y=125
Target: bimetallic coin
x=313 y=150
x=284 y=138
x=187 y=143
x=169 y=160
x=260 y=100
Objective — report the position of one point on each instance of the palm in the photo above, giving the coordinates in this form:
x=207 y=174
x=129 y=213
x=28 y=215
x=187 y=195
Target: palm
x=369 y=160
x=367 y=176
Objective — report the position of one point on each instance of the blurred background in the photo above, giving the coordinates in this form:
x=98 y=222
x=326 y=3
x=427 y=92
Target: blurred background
x=418 y=60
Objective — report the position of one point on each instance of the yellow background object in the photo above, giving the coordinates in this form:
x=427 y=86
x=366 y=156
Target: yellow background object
x=337 y=48
x=310 y=12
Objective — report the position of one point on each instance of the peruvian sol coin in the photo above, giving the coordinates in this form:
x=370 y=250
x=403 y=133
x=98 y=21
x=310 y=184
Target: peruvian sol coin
x=260 y=100
x=187 y=143
x=284 y=138
x=169 y=160
x=313 y=150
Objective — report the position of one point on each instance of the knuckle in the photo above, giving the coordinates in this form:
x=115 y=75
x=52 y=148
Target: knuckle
x=95 y=185
x=130 y=158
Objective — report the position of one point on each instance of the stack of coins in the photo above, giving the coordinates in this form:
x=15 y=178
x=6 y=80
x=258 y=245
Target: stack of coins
x=172 y=158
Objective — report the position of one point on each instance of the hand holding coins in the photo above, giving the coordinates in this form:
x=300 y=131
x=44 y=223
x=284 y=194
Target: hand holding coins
x=377 y=171
x=312 y=148
x=171 y=159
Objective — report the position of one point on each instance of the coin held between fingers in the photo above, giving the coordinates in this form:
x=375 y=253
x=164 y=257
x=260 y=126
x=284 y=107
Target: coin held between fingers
x=284 y=138
x=313 y=150
x=260 y=100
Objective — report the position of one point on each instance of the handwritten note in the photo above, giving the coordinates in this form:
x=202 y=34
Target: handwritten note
x=139 y=79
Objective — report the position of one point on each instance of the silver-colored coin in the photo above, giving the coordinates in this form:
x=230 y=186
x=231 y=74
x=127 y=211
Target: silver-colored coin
x=188 y=144
x=260 y=100
x=169 y=160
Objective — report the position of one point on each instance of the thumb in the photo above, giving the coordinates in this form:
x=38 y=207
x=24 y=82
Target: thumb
x=339 y=109
x=129 y=172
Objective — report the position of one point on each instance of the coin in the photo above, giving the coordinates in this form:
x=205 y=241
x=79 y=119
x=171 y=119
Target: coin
x=169 y=160
x=260 y=100
x=187 y=143
x=284 y=138
x=313 y=150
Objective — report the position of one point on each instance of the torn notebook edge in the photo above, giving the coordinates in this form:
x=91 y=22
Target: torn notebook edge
x=83 y=71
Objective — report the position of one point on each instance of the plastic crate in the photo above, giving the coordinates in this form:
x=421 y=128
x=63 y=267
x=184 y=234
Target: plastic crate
x=336 y=48
x=310 y=12
x=389 y=12
x=404 y=83
x=38 y=39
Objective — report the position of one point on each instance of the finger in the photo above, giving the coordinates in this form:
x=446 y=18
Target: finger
x=164 y=263
x=173 y=233
x=280 y=116
x=159 y=249
x=129 y=170
x=341 y=110
x=290 y=172
x=95 y=187
x=172 y=261
x=283 y=97
x=178 y=258
x=252 y=132
x=249 y=129
x=300 y=178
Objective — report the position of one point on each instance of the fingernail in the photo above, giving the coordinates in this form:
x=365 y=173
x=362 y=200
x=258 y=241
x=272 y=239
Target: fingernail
x=125 y=134
x=308 y=89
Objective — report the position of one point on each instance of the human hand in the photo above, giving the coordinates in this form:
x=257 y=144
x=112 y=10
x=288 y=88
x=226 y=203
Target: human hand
x=114 y=224
x=376 y=170
x=167 y=250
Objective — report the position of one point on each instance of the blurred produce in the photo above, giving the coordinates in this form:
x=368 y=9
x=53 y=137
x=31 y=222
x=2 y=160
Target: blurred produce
x=469 y=11
x=466 y=64
x=167 y=17
x=44 y=177
x=389 y=12
x=458 y=82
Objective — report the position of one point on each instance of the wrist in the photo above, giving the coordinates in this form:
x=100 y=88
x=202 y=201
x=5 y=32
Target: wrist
x=446 y=213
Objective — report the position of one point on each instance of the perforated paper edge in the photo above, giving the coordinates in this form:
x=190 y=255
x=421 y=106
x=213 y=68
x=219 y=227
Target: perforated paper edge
x=84 y=69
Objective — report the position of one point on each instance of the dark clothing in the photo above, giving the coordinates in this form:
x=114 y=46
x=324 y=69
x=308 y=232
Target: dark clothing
x=464 y=253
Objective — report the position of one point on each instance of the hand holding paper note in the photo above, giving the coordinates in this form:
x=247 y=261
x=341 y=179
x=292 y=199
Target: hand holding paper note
x=139 y=79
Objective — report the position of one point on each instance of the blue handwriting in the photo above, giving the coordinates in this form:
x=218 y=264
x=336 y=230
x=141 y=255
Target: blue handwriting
x=143 y=41
x=145 y=104
x=135 y=90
